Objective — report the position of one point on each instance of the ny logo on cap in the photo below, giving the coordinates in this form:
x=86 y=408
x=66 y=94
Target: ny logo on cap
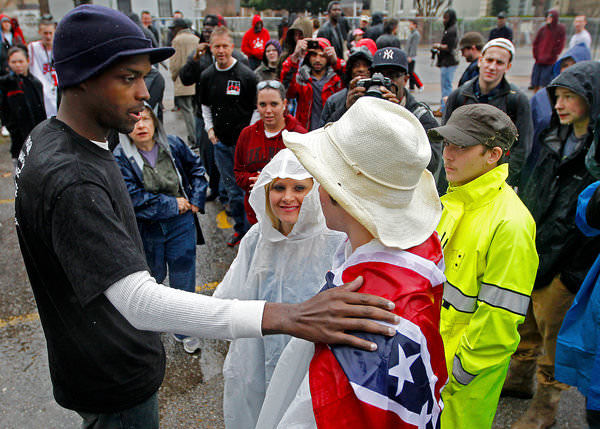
x=388 y=54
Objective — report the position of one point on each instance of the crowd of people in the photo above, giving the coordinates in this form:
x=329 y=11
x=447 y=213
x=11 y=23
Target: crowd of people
x=433 y=262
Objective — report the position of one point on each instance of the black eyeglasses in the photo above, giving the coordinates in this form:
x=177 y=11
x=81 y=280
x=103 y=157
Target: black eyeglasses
x=275 y=84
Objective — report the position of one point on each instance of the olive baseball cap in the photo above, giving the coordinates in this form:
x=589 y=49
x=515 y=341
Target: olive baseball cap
x=475 y=124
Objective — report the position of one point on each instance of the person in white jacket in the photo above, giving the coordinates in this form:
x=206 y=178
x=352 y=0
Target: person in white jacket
x=281 y=259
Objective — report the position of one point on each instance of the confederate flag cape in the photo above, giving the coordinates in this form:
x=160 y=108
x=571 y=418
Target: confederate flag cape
x=399 y=385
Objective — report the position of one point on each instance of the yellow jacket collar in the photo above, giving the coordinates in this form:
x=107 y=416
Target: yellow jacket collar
x=480 y=191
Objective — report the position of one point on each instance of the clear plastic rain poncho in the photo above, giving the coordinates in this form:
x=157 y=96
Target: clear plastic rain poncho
x=272 y=267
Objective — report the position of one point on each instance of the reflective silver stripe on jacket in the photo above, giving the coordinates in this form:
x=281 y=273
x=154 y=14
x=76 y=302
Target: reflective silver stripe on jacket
x=458 y=300
x=504 y=298
x=462 y=376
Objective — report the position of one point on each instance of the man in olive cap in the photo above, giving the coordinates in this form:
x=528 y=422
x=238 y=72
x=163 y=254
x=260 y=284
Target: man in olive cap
x=488 y=239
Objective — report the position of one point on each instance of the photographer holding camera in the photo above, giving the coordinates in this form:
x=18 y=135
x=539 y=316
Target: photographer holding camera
x=312 y=75
x=389 y=76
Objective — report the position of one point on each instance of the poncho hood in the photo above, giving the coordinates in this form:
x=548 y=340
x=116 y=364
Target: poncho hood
x=310 y=220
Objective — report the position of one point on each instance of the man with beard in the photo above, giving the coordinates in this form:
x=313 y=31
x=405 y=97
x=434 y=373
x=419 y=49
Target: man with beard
x=470 y=46
x=357 y=68
x=314 y=80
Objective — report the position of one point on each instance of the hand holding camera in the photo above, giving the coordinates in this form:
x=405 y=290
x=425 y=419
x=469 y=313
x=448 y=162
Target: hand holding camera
x=354 y=91
x=373 y=84
x=301 y=48
x=312 y=44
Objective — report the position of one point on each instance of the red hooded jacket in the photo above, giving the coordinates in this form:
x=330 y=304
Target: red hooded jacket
x=299 y=81
x=253 y=44
x=253 y=151
x=549 y=41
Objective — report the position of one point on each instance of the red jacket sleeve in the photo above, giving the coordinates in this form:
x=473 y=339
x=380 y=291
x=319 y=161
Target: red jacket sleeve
x=561 y=38
x=289 y=69
x=242 y=176
x=536 y=43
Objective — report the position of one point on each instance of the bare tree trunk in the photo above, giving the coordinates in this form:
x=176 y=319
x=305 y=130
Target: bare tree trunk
x=44 y=7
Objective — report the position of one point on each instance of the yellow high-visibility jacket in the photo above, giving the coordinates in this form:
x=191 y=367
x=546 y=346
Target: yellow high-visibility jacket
x=488 y=238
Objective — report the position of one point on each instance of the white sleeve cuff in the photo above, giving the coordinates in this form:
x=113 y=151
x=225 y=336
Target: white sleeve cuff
x=247 y=318
x=150 y=306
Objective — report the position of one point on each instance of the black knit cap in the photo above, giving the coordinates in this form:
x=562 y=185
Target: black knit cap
x=90 y=38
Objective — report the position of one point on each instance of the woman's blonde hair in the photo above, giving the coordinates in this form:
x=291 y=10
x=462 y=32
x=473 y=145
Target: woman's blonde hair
x=274 y=219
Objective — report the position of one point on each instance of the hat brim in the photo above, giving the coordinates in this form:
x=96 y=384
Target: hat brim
x=399 y=227
x=453 y=134
x=156 y=55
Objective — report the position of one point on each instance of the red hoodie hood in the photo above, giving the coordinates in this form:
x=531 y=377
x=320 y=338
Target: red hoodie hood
x=554 y=14
x=256 y=19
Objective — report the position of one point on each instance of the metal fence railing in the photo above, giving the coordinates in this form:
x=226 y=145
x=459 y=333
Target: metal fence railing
x=524 y=29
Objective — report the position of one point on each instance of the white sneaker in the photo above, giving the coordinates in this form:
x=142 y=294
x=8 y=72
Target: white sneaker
x=191 y=344
x=5 y=132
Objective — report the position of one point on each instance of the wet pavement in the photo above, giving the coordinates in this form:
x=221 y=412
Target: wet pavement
x=191 y=395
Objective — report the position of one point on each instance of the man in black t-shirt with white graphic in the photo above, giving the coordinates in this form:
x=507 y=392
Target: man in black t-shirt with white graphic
x=99 y=306
x=228 y=100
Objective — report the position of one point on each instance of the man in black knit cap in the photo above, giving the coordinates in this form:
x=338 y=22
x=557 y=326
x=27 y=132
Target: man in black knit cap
x=100 y=309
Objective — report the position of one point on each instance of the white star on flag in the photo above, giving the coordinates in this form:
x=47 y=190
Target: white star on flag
x=402 y=370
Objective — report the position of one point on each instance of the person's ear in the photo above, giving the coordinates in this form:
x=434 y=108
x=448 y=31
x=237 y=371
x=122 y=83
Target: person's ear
x=494 y=154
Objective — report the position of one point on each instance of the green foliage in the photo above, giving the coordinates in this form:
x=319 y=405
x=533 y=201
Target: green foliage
x=499 y=6
x=314 y=6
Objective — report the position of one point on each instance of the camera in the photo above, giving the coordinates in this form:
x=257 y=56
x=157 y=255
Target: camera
x=372 y=85
x=434 y=52
x=312 y=44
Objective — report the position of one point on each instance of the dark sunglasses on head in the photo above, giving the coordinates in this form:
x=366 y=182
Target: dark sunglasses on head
x=275 y=84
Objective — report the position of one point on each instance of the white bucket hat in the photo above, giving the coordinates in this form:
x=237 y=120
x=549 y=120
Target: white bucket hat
x=372 y=162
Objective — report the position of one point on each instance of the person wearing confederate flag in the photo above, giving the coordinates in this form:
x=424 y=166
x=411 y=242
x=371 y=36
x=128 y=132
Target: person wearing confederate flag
x=374 y=186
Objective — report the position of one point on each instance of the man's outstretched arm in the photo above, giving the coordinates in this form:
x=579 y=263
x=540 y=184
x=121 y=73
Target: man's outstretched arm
x=150 y=306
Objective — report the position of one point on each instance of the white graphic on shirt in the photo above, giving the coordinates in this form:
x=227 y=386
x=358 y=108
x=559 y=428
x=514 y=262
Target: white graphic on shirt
x=233 y=87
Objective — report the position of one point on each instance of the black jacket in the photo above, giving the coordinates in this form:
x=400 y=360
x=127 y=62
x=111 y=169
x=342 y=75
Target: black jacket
x=504 y=32
x=21 y=107
x=335 y=35
x=447 y=57
x=376 y=28
x=551 y=191
x=387 y=41
x=470 y=72
x=335 y=107
x=515 y=104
